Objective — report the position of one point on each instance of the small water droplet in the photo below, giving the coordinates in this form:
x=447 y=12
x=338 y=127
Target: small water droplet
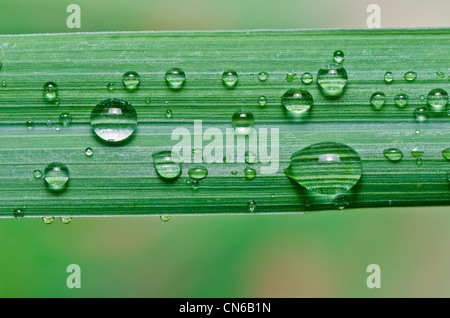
x=113 y=120
x=251 y=206
x=419 y=161
x=421 y=113
x=230 y=79
x=58 y=127
x=290 y=77
x=410 y=76
x=49 y=123
x=50 y=91
x=167 y=166
x=250 y=157
x=440 y=74
x=393 y=154
x=165 y=218
x=262 y=101
x=341 y=202
x=446 y=153
x=37 y=174
x=377 y=100
x=195 y=184
x=66 y=219
x=262 y=76
x=249 y=173
x=325 y=168
x=4 y=83
x=148 y=100
x=401 y=100
x=18 y=214
x=234 y=172
x=175 y=78
x=198 y=173
x=297 y=101
x=65 y=119
x=437 y=99
x=242 y=122
x=110 y=86
x=416 y=152
x=338 y=57
x=168 y=113
x=131 y=80
x=56 y=176
x=89 y=152
x=48 y=219
x=388 y=77
x=417 y=131
x=332 y=79
x=29 y=124
x=307 y=78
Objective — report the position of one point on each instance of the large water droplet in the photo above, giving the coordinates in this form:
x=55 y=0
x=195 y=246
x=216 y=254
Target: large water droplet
x=56 y=176
x=230 y=79
x=50 y=92
x=175 y=78
x=326 y=168
x=114 y=120
x=307 y=78
x=332 y=79
x=410 y=76
x=242 y=122
x=168 y=166
x=437 y=99
x=377 y=100
x=388 y=77
x=249 y=173
x=131 y=80
x=297 y=101
x=338 y=57
x=401 y=100
x=198 y=173
x=446 y=153
x=393 y=154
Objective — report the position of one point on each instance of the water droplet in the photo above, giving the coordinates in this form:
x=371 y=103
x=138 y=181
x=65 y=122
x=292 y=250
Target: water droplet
x=195 y=184
x=48 y=219
x=338 y=57
x=388 y=77
x=410 y=76
x=262 y=76
x=249 y=173
x=377 y=100
x=326 y=168
x=421 y=113
x=50 y=91
x=440 y=74
x=49 y=123
x=418 y=161
x=437 y=99
x=167 y=166
x=290 y=77
x=230 y=79
x=446 y=153
x=37 y=174
x=131 y=80
x=242 y=122
x=29 y=124
x=250 y=157
x=417 y=131
x=401 y=100
x=56 y=176
x=416 y=153
x=341 y=202
x=307 y=78
x=148 y=100
x=198 y=173
x=113 y=120
x=332 y=79
x=297 y=101
x=89 y=152
x=110 y=87
x=165 y=218
x=168 y=113
x=4 y=83
x=251 y=206
x=234 y=172
x=262 y=101
x=175 y=78
x=393 y=154
x=58 y=127
x=65 y=119
x=66 y=219
x=18 y=214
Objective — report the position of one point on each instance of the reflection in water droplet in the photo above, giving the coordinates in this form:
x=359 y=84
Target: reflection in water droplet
x=326 y=168
x=393 y=154
x=297 y=101
x=167 y=166
x=131 y=80
x=114 y=120
x=230 y=79
x=175 y=78
x=242 y=122
x=56 y=176
x=332 y=79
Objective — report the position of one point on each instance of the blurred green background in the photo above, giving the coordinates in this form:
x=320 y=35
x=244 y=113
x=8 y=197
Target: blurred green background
x=316 y=255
